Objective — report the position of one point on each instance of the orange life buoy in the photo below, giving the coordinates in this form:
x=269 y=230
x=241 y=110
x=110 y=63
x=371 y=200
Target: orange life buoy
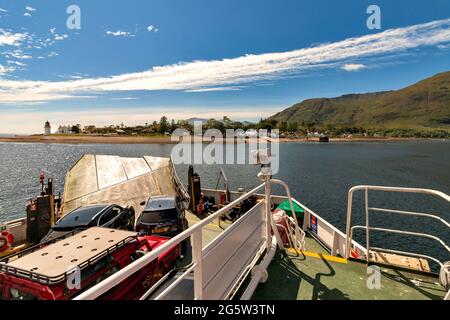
x=354 y=254
x=6 y=240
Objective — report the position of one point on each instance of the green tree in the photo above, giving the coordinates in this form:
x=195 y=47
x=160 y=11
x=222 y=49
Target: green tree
x=292 y=126
x=75 y=129
x=282 y=126
x=215 y=124
x=163 y=125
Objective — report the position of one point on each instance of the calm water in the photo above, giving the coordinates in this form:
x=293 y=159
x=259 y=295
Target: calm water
x=319 y=175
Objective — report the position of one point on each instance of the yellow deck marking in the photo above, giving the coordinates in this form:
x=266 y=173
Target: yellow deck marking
x=318 y=255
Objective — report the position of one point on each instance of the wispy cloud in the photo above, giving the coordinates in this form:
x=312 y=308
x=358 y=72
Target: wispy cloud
x=17 y=63
x=4 y=69
x=18 y=54
x=210 y=75
x=119 y=33
x=8 y=38
x=61 y=37
x=152 y=28
x=125 y=98
x=28 y=11
x=353 y=66
x=3 y=10
x=215 y=89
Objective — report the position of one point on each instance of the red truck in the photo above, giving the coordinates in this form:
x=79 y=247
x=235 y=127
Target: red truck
x=67 y=266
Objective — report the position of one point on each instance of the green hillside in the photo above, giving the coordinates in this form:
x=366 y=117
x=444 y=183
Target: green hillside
x=424 y=105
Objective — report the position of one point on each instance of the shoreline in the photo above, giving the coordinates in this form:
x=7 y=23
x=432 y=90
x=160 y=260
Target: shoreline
x=72 y=139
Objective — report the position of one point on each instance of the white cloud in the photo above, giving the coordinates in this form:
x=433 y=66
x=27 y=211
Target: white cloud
x=11 y=39
x=17 y=63
x=444 y=46
x=215 y=89
x=4 y=69
x=206 y=75
x=20 y=55
x=31 y=9
x=152 y=28
x=353 y=66
x=3 y=10
x=125 y=98
x=61 y=37
x=52 y=30
x=119 y=33
x=27 y=14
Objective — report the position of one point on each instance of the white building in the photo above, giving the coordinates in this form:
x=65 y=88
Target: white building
x=47 y=129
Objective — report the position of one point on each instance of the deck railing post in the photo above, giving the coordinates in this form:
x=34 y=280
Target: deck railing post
x=197 y=258
x=268 y=216
x=366 y=195
x=348 y=236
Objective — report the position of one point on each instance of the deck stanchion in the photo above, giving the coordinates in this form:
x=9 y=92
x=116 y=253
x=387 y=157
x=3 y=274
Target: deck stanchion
x=197 y=257
x=268 y=215
x=366 y=195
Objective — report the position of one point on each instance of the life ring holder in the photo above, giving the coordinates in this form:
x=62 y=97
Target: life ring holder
x=8 y=238
x=354 y=253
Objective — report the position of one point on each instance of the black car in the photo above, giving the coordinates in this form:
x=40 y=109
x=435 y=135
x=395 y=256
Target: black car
x=162 y=216
x=108 y=216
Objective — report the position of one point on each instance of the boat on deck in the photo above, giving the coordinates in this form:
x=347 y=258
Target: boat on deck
x=256 y=245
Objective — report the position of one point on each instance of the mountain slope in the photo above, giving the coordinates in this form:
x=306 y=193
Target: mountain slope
x=425 y=104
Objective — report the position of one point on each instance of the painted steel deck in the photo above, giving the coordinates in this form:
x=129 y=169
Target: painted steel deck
x=315 y=275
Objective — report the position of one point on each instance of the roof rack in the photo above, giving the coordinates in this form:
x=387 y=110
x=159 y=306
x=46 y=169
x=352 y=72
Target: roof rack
x=54 y=261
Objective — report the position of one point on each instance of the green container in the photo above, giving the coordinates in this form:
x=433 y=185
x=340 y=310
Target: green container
x=299 y=212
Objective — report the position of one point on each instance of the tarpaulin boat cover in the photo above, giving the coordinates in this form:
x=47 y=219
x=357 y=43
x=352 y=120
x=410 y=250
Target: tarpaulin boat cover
x=99 y=179
x=287 y=208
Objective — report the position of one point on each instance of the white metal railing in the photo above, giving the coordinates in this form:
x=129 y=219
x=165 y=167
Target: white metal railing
x=195 y=232
x=368 y=228
x=297 y=238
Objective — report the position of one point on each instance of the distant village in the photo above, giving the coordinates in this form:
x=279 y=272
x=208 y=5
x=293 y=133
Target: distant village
x=166 y=127
x=286 y=129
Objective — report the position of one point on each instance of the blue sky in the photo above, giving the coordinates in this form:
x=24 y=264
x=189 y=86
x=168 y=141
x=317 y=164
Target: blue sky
x=134 y=61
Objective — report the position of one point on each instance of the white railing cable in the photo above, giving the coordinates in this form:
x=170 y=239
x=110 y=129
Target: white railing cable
x=366 y=188
x=299 y=233
x=410 y=233
x=411 y=213
x=129 y=270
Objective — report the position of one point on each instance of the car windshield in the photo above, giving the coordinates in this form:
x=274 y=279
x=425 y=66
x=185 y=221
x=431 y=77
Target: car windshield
x=159 y=216
x=78 y=218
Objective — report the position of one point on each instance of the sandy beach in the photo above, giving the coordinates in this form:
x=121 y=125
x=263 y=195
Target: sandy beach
x=92 y=139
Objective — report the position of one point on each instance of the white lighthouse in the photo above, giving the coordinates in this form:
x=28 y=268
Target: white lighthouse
x=47 y=129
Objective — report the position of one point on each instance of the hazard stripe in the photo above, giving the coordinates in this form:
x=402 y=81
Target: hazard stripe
x=318 y=255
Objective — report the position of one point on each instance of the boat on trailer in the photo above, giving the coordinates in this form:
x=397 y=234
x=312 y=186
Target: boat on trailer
x=265 y=254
